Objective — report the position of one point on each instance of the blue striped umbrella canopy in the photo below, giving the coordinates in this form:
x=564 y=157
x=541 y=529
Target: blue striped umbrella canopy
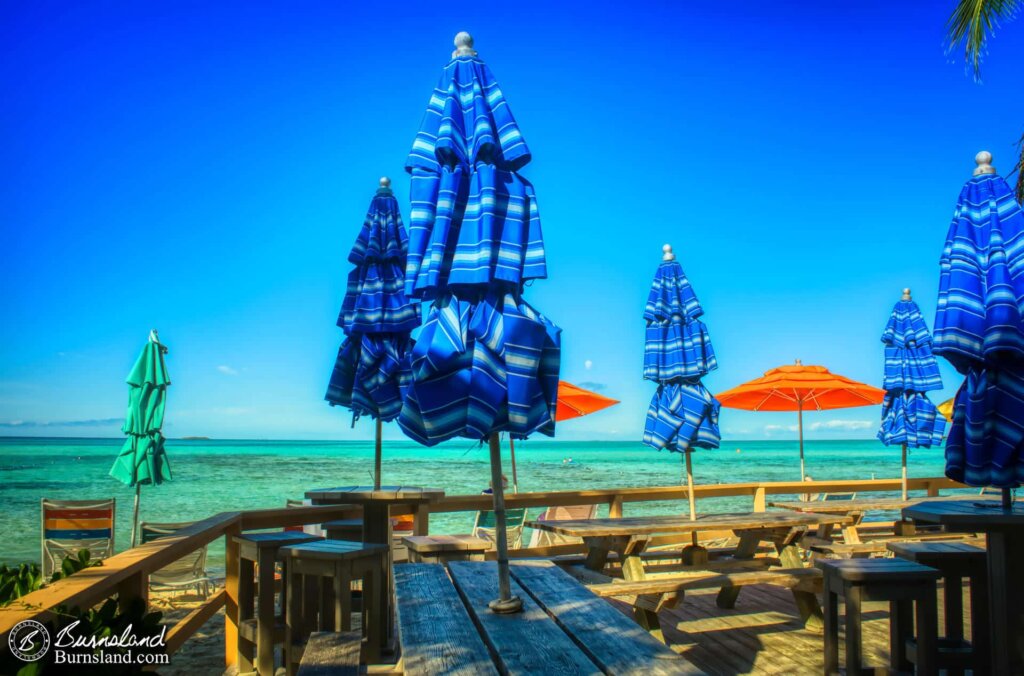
x=909 y=419
x=683 y=415
x=979 y=329
x=485 y=361
x=371 y=371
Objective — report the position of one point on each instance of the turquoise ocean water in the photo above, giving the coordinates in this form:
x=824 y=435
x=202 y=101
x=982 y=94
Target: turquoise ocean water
x=216 y=476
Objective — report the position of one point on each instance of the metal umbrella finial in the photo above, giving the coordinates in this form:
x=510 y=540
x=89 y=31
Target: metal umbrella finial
x=984 y=162
x=906 y=294
x=799 y=362
x=385 y=182
x=463 y=45
x=667 y=254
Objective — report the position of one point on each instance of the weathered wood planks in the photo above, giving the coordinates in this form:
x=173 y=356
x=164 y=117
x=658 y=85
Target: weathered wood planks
x=805 y=579
x=331 y=654
x=529 y=642
x=616 y=644
x=650 y=525
x=436 y=632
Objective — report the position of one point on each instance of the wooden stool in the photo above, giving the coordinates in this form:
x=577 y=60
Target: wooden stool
x=902 y=584
x=957 y=561
x=445 y=548
x=313 y=604
x=351 y=530
x=259 y=632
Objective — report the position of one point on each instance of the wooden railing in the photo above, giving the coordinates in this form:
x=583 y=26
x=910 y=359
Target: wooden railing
x=126 y=575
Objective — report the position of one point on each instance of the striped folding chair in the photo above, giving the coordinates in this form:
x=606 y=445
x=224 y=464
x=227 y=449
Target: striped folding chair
x=70 y=526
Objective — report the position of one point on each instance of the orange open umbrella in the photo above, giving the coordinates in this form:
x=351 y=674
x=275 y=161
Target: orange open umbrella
x=573 y=402
x=799 y=387
x=946 y=409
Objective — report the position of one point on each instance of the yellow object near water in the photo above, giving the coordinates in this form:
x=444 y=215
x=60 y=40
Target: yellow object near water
x=946 y=409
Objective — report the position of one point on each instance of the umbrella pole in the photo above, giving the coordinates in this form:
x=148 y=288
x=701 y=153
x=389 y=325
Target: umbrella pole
x=904 y=484
x=800 y=428
x=377 y=454
x=505 y=603
x=515 y=476
x=135 y=513
x=689 y=492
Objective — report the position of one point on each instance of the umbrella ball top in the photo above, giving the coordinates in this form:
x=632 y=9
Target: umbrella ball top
x=790 y=388
x=468 y=121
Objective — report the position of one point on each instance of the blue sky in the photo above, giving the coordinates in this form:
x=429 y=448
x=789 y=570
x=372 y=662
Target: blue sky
x=203 y=168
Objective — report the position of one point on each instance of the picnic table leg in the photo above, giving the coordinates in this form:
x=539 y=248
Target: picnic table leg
x=646 y=606
x=747 y=547
x=377 y=530
x=598 y=549
x=851 y=535
x=853 y=626
x=806 y=602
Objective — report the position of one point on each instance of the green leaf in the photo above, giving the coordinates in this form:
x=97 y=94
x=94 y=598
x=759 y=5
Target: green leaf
x=973 y=22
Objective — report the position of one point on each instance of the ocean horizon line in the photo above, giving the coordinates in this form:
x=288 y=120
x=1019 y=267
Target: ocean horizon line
x=370 y=439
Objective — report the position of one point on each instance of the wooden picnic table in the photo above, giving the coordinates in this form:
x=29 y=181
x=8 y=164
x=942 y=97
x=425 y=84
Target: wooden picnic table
x=629 y=537
x=856 y=509
x=377 y=505
x=859 y=507
x=1004 y=533
x=446 y=627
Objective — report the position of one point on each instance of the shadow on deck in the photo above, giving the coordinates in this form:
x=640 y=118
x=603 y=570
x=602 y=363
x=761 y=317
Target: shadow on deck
x=763 y=633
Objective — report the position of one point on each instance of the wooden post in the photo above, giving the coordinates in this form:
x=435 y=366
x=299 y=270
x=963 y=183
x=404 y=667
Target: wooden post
x=904 y=480
x=131 y=588
x=231 y=593
x=760 y=499
x=615 y=508
x=377 y=453
x=505 y=603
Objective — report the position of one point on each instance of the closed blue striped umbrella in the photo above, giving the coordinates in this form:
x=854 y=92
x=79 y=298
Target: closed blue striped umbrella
x=372 y=369
x=485 y=361
x=979 y=329
x=908 y=417
x=683 y=415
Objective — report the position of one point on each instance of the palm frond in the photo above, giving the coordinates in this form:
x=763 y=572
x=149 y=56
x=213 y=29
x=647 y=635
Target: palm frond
x=973 y=23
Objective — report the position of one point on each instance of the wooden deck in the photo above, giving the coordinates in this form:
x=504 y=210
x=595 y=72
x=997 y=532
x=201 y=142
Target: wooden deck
x=763 y=634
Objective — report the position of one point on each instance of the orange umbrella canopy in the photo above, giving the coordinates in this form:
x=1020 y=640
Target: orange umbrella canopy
x=574 y=402
x=792 y=388
x=946 y=409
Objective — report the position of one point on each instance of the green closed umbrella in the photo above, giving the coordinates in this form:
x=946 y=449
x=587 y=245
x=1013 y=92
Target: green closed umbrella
x=142 y=459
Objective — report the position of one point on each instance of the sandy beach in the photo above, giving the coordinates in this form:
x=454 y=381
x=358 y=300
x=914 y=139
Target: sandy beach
x=203 y=653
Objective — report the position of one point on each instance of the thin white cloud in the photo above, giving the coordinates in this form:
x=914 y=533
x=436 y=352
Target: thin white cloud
x=845 y=425
x=92 y=422
x=841 y=425
x=227 y=370
x=588 y=364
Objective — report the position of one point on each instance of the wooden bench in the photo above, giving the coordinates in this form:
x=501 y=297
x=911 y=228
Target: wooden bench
x=881 y=547
x=445 y=548
x=799 y=579
x=331 y=654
